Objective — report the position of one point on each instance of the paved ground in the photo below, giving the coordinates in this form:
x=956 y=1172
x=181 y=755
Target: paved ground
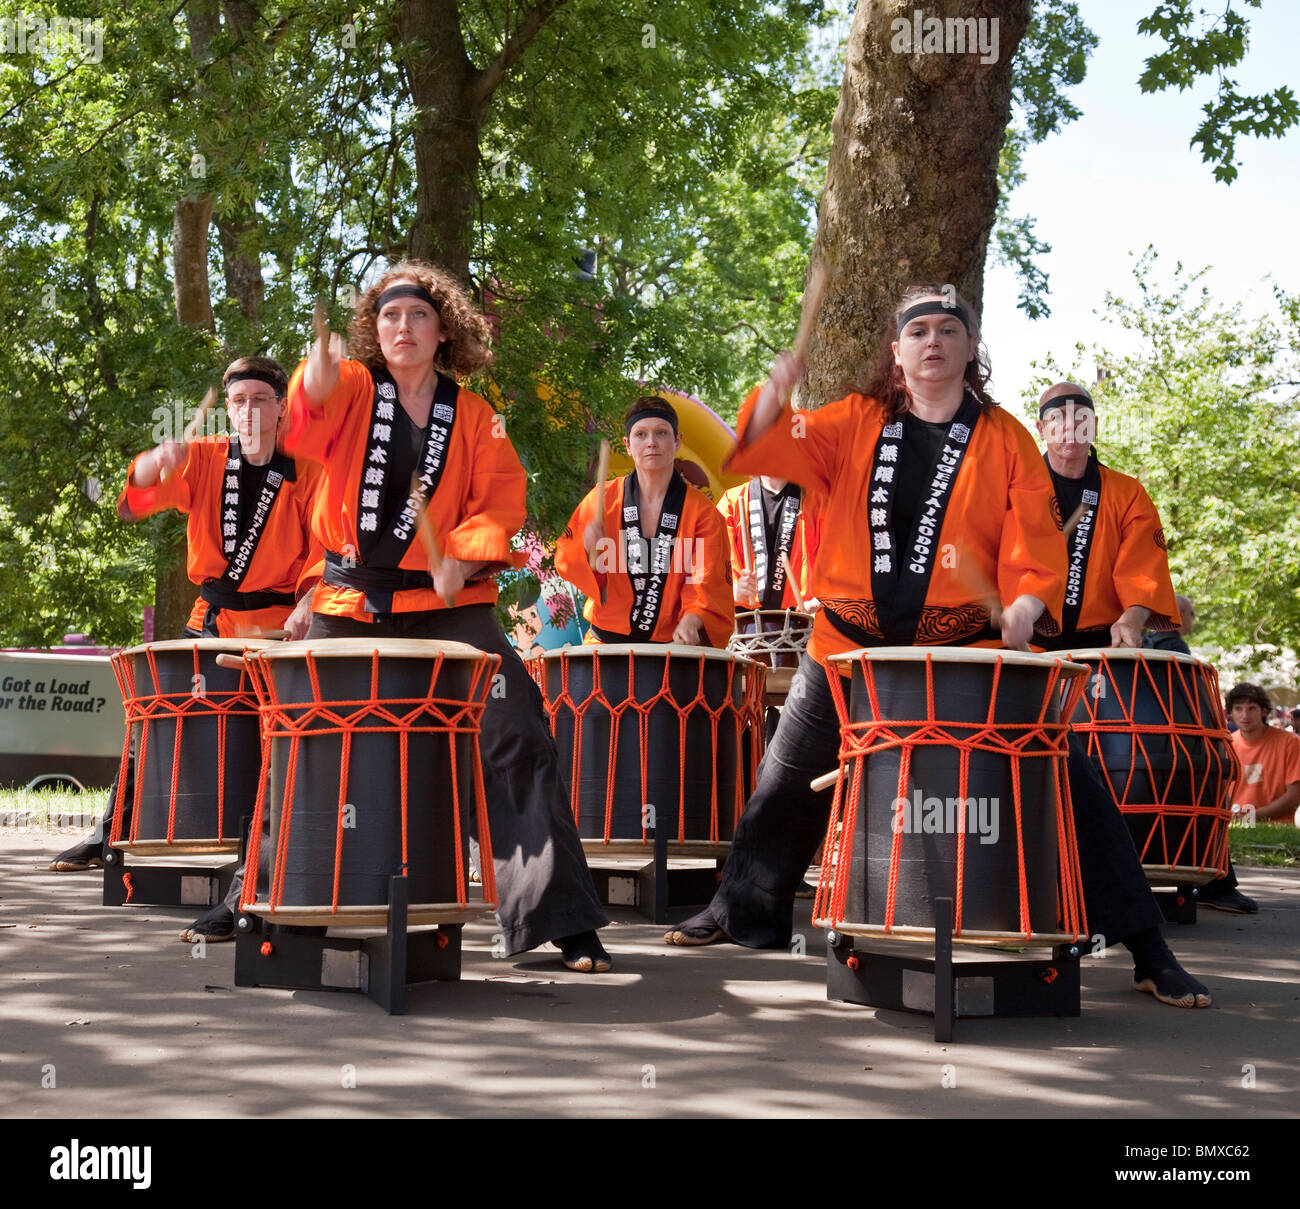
x=108 y=1005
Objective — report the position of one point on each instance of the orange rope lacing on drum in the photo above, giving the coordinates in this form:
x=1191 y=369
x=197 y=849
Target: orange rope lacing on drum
x=429 y=714
x=745 y=715
x=1208 y=738
x=1040 y=739
x=146 y=708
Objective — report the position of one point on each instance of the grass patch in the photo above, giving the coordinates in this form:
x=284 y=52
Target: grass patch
x=51 y=808
x=1276 y=844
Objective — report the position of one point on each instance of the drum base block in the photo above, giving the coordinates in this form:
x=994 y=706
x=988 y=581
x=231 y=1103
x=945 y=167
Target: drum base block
x=380 y=967
x=1178 y=905
x=170 y=884
x=946 y=985
x=654 y=889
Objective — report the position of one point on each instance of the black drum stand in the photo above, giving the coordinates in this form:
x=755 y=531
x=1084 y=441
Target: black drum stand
x=380 y=967
x=892 y=974
x=168 y=881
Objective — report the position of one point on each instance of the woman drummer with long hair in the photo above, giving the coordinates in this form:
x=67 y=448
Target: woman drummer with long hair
x=938 y=529
x=403 y=445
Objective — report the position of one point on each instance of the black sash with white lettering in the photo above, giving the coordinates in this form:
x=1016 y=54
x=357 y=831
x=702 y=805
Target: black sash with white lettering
x=386 y=547
x=900 y=578
x=1081 y=545
x=239 y=550
x=648 y=563
x=768 y=565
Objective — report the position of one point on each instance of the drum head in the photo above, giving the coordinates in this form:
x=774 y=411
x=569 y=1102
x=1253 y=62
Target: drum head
x=1130 y=653
x=388 y=648
x=956 y=654
x=651 y=650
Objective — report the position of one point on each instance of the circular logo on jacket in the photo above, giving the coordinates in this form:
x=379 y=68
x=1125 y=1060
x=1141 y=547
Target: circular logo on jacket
x=1160 y=539
x=1056 y=512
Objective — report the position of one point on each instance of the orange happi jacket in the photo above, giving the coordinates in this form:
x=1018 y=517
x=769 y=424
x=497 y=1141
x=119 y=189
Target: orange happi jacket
x=735 y=515
x=999 y=534
x=476 y=510
x=1127 y=562
x=285 y=560
x=698 y=580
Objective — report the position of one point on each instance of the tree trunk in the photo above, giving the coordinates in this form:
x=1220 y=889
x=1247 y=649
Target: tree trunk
x=238 y=228
x=173 y=592
x=243 y=266
x=911 y=185
x=441 y=79
x=190 y=260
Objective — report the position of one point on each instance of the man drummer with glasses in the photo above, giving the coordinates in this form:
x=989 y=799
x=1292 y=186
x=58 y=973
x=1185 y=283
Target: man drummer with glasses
x=248 y=541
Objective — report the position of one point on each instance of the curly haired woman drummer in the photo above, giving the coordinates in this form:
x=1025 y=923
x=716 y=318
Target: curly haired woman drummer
x=938 y=509
x=402 y=445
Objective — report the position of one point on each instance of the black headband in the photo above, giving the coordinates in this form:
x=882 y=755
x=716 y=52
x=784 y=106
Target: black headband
x=1062 y=400
x=934 y=307
x=406 y=289
x=257 y=375
x=650 y=413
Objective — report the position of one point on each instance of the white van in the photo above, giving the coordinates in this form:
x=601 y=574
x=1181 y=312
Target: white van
x=61 y=724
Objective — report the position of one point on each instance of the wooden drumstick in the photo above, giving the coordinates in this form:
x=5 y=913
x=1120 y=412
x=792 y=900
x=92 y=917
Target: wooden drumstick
x=812 y=304
x=794 y=583
x=825 y=781
x=195 y=426
x=747 y=564
x=602 y=474
x=320 y=323
x=982 y=587
x=1073 y=523
x=234 y=662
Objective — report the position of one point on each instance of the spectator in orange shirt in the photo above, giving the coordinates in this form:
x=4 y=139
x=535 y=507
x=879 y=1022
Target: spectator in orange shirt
x=1270 y=759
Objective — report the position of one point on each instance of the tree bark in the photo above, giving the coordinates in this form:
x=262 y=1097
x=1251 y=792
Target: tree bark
x=441 y=80
x=242 y=264
x=911 y=184
x=451 y=97
x=173 y=592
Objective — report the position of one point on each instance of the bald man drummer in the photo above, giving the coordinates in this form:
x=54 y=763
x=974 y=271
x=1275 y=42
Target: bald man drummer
x=1117 y=580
